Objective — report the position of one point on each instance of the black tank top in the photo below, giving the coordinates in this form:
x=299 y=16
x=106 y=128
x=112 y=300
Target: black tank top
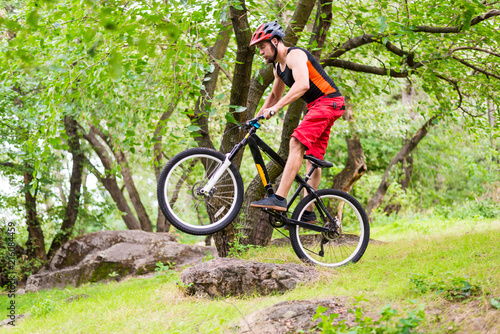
x=320 y=83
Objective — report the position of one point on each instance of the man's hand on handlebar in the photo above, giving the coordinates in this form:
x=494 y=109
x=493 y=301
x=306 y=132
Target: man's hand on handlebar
x=269 y=112
x=260 y=116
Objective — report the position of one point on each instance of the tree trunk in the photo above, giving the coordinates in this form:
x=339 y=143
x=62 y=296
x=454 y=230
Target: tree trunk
x=378 y=197
x=73 y=205
x=140 y=210
x=241 y=78
x=109 y=180
x=35 y=245
x=297 y=24
x=162 y=225
x=407 y=168
x=355 y=166
x=200 y=117
x=321 y=26
x=128 y=181
x=253 y=92
x=239 y=95
x=256 y=229
x=255 y=223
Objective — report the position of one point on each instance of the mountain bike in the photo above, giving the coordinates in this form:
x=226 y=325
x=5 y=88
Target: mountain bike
x=200 y=192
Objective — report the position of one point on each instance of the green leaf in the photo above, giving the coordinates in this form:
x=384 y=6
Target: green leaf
x=56 y=141
x=193 y=128
x=467 y=18
x=230 y=118
x=115 y=65
x=382 y=23
x=32 y=18
x=495 y=303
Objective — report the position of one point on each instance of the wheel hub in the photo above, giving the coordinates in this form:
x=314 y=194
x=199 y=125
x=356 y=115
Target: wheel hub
x=198 y=193
x=334 y=233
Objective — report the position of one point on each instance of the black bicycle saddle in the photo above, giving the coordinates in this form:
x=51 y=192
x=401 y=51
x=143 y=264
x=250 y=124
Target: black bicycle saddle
x=320 y=163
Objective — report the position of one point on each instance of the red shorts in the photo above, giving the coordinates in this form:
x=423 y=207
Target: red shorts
x=314 y=130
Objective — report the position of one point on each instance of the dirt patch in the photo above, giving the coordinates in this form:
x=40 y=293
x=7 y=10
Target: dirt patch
x=473 y=316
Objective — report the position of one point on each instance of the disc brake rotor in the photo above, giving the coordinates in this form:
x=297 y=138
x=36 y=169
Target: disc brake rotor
x=334 y=233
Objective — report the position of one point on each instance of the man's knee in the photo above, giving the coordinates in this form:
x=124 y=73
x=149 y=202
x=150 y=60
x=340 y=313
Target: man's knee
x=295 y=144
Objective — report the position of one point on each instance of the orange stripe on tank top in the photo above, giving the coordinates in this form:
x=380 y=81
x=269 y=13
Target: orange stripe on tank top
x=318 y=80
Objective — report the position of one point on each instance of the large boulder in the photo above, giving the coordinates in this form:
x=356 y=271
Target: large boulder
x=292 y=317
x=223 y=277
x=93 y=257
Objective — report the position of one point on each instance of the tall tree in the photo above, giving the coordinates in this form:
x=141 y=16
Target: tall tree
x=73 y=203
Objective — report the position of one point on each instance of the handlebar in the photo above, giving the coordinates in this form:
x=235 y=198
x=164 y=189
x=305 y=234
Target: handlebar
x=254 y=122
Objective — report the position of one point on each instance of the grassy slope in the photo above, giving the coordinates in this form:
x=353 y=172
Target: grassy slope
x=425 y=247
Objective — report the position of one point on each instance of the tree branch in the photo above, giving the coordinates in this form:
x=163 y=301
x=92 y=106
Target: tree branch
x=475 y=49
x=352 y=44
x=215 y=61
x=8 y=164
x=455 y=84
x=348 y=65
x=476 y=68
x=448 y=30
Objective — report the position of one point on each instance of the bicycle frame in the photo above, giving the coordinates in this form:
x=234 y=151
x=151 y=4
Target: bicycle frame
x=256 y=144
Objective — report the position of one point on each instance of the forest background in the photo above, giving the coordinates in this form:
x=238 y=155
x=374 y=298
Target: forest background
x=96 y=96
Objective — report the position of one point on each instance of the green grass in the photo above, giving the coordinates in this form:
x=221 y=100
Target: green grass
x=429 y=248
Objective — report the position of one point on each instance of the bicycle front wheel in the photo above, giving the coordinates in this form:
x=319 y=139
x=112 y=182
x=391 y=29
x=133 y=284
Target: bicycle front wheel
x=331 y=249
x=185 y=206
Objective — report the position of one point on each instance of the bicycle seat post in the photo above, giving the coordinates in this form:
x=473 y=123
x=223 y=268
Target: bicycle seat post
x=311 y=171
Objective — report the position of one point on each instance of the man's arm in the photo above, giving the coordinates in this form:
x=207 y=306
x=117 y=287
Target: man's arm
x=296 y=60
x=276 y=94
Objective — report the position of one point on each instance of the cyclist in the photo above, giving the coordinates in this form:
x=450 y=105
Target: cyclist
x=298 y=69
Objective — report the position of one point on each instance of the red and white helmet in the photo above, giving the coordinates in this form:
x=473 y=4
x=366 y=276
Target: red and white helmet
x=266 y=32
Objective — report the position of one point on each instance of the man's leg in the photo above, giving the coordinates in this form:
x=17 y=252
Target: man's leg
x=292 y=167
x=313 y=182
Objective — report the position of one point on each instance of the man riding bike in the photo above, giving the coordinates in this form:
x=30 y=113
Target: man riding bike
x=298 y=69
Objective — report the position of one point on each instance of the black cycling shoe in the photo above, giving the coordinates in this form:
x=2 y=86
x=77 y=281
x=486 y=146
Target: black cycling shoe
x=271 y=203
x=307 y=217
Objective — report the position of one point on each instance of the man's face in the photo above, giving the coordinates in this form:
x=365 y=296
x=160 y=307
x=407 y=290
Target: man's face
x=266 y=50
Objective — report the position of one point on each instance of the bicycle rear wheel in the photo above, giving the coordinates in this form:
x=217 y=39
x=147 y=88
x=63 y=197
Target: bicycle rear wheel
x=180 y=198
x=331 y=249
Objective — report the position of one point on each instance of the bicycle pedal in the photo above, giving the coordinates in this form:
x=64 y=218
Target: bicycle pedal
x=274 y=210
